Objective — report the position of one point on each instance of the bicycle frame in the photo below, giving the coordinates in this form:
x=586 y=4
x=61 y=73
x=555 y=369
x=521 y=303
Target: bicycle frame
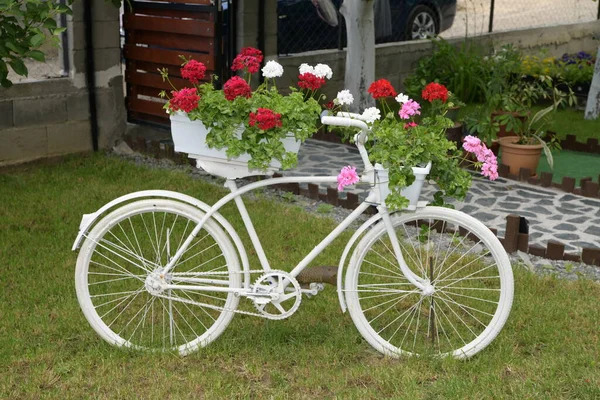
x=372 y=198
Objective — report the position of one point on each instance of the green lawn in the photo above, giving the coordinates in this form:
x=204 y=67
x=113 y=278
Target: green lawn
x=572 y=164
x=549 y=348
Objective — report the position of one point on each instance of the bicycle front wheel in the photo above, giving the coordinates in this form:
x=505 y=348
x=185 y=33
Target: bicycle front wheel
x=121 y=262
x=464 y=262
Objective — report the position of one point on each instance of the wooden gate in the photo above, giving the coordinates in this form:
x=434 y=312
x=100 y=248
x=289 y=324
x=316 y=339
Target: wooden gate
x=156 y=34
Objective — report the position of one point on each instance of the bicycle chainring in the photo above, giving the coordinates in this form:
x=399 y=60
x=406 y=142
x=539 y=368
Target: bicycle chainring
x=276 y=295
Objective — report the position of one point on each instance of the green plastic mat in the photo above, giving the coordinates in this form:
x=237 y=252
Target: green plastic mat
x=572 y=164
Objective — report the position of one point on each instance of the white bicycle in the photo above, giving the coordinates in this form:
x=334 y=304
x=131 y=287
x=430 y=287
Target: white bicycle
x=161 y=270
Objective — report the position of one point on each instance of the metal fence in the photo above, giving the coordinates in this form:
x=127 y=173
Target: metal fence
x=305 y=25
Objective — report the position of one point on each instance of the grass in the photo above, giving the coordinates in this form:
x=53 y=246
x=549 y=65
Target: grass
x=548 y=349
x=571 y=164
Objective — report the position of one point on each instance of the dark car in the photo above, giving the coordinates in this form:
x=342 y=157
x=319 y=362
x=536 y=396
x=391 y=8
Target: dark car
x=306 y=25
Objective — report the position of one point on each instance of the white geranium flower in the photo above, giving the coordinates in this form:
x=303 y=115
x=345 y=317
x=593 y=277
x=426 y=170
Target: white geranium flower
x=323 y=71
x=272 y=69
x=305 y=68
x=344 y=97
x=402 y=98
x=371 y=114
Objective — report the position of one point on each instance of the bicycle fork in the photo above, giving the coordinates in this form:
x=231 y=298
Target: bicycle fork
x=422 y=284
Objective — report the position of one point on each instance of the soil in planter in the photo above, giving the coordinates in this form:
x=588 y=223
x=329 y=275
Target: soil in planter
x=571 y=164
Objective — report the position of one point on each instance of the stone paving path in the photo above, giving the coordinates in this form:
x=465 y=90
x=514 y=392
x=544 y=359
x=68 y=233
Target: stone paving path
x=552 y=214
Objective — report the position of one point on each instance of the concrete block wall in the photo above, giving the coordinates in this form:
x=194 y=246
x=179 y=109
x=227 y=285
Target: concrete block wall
x=51 y=117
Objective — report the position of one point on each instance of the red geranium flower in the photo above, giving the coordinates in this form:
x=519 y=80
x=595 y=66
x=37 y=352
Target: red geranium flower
x=193 y=71
x=410 y=125
x=265 y=118
x=435 y=91
x=382 y=88
x=329 y=105
x=310 y=81
x=235 y=87
x=184 y=100
x=249 y=58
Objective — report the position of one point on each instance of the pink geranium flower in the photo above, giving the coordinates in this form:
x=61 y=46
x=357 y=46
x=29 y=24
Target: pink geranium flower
x=409 y=109
x=484 y=155
x=347 y=177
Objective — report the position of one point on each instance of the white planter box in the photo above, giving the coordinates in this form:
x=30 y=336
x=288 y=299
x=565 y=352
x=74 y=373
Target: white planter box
x=190 y=137
x=412 y=193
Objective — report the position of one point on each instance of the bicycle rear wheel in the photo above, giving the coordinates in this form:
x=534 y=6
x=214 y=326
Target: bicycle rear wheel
x=463 y=260
x=121 y=261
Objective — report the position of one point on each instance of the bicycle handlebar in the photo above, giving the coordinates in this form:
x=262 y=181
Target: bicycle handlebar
x=348 y=120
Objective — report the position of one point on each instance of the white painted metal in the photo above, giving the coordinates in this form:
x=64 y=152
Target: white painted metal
x=488 y=242
x=89 y=219
x=97 y=235
x=230 y=184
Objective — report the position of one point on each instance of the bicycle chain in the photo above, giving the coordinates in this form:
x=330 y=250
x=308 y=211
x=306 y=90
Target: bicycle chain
x=195 y=303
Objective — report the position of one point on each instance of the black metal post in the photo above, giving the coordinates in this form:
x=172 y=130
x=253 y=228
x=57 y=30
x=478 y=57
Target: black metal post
x=598 y=16
x=261 y=32
x=491 y=16
x=90 y=70
x=65 y=42
x=340 y=30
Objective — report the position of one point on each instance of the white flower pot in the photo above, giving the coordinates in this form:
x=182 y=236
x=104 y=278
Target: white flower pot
x=412 y=192
x=190 y=137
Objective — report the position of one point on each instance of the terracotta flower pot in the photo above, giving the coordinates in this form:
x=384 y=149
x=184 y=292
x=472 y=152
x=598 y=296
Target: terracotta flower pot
x=517 y=156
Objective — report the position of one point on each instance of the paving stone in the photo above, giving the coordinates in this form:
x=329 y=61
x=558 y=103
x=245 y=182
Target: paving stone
x=566 y=236
x=534 y=195
x=566 y=227
x=544 y=202
x=484 y=217
x=513 y=199
x=535 y=235
x=556 y=217
x=578 y=220
x=318 y=157
x=476 y=191
x=568 y=211
x=585 y=244
x=542 y=229
x=509 y=206
x=468 y=209
x=536 y=189
x=539 y=210
x=593 y=230
x=519 y=213
x=569 y=197
x=486 y=201
x=593 y=203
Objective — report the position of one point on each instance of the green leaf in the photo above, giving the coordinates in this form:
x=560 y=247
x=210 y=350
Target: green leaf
x=5 y=83
x=547 y=152
x=64 y=9
x=37 y=55
x=37 y=40
x=50 y=23
x=13 y=47
x=58 y=31
x=18 y=66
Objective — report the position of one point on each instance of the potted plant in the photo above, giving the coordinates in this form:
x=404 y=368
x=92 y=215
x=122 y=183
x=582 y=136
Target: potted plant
x=409 y=143
x=237 y=131
x=524 y=150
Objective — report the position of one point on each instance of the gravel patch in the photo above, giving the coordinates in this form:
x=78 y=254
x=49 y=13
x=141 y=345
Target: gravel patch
x=561 y=269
